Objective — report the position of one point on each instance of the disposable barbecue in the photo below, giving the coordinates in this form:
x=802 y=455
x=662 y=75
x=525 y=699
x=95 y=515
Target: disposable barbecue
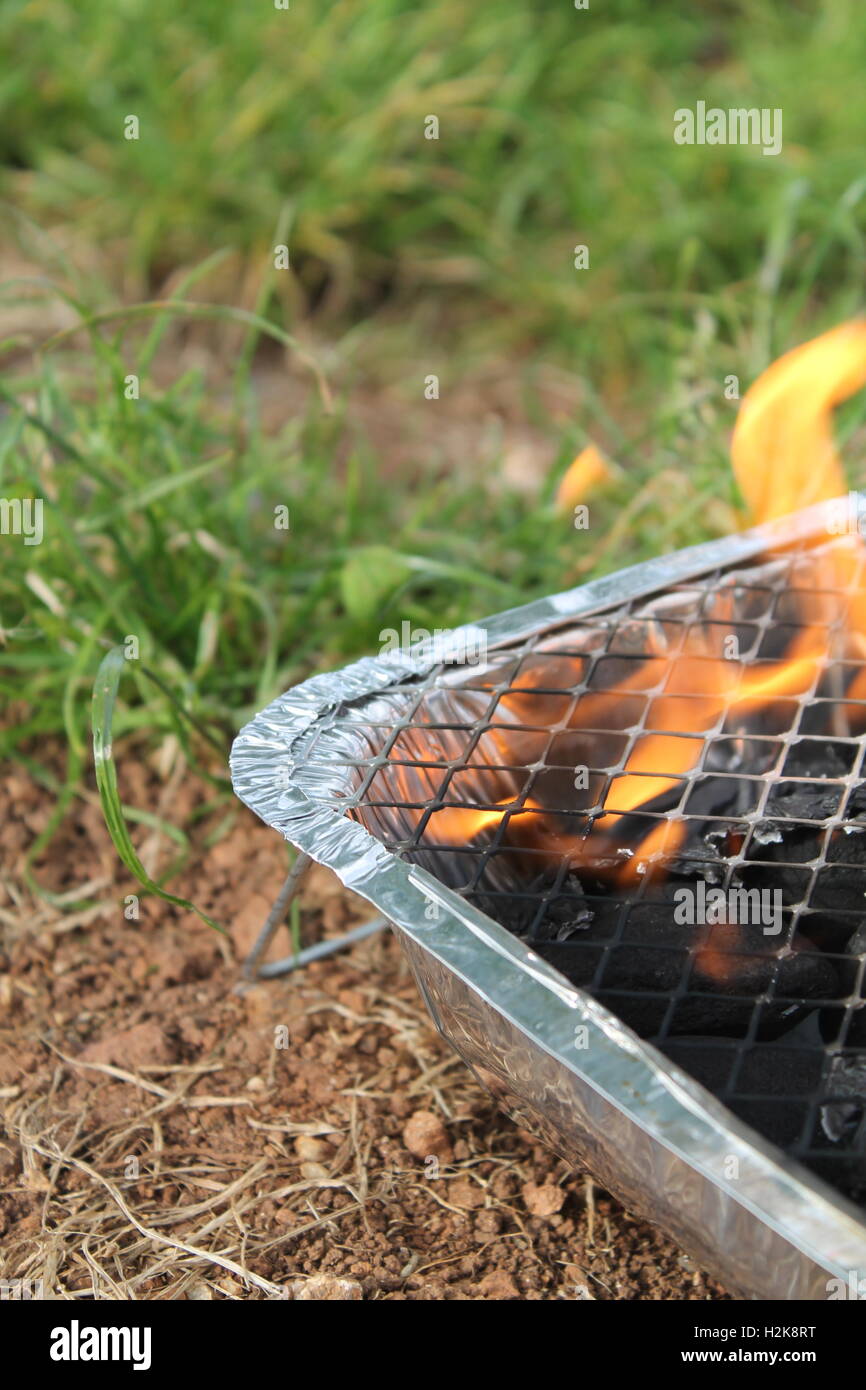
x=626 y=852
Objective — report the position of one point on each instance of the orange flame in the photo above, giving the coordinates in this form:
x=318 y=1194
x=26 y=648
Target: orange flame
x=784 y=459
x=452 y=825
x=784 y=456
x=782 y=450
x=583 y=477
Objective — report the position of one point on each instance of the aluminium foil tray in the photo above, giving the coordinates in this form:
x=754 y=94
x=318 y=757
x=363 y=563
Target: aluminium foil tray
x=648 y=1132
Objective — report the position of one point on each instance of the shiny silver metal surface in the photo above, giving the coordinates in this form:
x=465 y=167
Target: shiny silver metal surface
x=556 y=1059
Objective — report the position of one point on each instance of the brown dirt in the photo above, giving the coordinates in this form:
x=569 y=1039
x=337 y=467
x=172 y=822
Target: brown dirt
x=167 y=1137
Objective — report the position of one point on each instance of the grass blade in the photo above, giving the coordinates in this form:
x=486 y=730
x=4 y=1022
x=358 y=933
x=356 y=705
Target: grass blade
x=104 y=696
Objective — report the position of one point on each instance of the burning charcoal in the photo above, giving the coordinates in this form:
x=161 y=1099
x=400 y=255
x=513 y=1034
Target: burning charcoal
x=722 y=796
x=515 y=911
x=771 y=1086
x=840 y=888
x=570 y=912
x=837 y=1138
x=752 y=1014
x=846 y=1029
x=708 y=843
x=856 y=1034
x=549 y=913
x=751 y=756
x=776 y=842
x=779 y=1088
x=841 y=1116
x=819 y=758
x=728 y=1005
x=789 y=1070
x=708 y=856
x=804 y=801
x=726 y=971
x=709 y=1060
x=828 y=932
x=847 y=845
x=857 y=944
x=778 y=1116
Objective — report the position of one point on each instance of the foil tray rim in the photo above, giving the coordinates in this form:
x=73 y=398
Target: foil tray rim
x=654 y=1094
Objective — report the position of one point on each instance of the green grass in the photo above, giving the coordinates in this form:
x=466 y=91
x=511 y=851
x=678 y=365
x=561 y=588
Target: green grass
x=159 y=526
x=555 y=129
x=306 y=126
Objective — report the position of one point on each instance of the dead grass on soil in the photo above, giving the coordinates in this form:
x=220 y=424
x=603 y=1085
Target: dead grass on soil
x=160 y=1143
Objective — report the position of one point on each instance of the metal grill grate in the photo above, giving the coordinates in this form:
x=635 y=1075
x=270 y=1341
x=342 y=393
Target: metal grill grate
x=477 y=773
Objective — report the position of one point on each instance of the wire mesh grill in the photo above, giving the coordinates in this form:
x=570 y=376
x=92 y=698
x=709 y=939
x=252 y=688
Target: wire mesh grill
x=519 y=783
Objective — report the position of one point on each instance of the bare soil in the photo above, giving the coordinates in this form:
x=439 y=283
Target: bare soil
x=166 y=1136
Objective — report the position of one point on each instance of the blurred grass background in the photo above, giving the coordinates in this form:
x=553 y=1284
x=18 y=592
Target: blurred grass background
x=408 y=257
